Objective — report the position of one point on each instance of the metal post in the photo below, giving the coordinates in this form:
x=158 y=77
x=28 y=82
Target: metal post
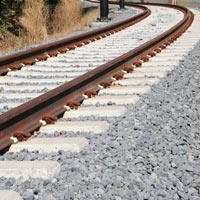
x=103 y=10
x=142 y=1
x=121 y=4
x=174 y=2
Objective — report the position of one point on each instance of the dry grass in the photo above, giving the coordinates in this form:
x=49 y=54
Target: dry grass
x=34 y=21
x=66 y=15
x=10 y=42
x=88 y=18
x=81 y=24
x=66 y=18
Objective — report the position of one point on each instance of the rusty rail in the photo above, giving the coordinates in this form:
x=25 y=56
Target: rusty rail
x=26 y=118
x=27 y=57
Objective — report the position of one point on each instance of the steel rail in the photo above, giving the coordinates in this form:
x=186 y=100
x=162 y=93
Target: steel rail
x=27 y=57
x=26 y=118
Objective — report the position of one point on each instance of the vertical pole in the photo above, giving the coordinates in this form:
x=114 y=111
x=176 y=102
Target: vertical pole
x=121 y=4
x=174 y=2
x=142 y=1
x=103 y=10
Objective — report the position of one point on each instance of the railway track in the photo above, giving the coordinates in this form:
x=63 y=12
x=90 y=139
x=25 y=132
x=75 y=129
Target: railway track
x=40 y=53
x=83 y=79
x=77 y=62
x=12 y=130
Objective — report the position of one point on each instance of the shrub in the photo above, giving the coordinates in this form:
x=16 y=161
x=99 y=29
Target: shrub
x=10 y=9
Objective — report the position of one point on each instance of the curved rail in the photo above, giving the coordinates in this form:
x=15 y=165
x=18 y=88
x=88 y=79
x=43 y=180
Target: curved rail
x=21 y=121
x=17 y=60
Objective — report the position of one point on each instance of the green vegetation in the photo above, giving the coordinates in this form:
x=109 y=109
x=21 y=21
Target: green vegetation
x=26 y=22
x=10 y=10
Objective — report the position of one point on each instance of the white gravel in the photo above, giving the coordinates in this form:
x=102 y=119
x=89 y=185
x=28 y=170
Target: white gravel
x=152 y=152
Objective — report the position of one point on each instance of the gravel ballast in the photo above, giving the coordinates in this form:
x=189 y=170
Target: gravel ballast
x=152 y=152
